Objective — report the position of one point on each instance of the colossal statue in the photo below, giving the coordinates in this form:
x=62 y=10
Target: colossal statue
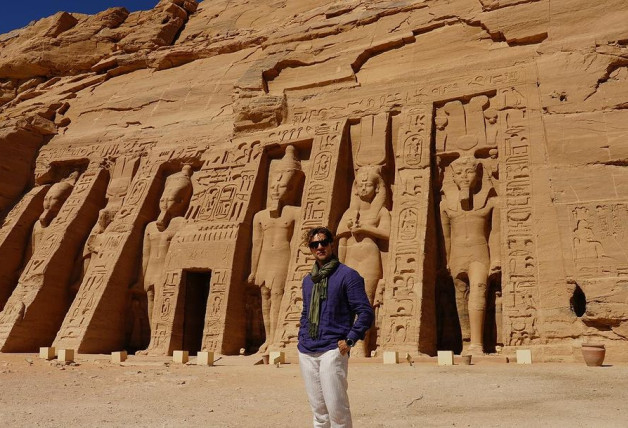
x=173 y=204
x=364 y=231
x=273 y=230
x=471 y=227
x=53 y=202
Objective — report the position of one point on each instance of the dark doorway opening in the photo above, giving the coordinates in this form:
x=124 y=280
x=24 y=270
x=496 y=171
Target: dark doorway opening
x=578 y=301
x=196 y=293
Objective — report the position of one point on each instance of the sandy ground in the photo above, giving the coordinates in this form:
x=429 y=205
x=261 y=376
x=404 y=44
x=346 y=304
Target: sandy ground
x=235 y=393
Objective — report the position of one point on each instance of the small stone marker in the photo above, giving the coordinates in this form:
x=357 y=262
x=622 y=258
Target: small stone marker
x=278 y=357
x=524 y=356
x=205 y=358
x=66 y=355
x=47 y=353
x=445 y=358
x=391 y=357
x=180 y=357
x=119 y=357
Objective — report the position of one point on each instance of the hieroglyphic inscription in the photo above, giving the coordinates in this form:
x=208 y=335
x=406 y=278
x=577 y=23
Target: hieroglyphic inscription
x=402 y=300
x=598 y=237
x=316 y=205
x=161 y=335
x=520 y=284
x=216 y=305
x=225 y=182
x=408 y=97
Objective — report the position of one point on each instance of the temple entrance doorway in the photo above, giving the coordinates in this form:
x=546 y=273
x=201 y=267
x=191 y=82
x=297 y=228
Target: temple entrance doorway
x=196 y=293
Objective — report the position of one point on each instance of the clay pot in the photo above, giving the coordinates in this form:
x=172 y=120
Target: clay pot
x=593 y=354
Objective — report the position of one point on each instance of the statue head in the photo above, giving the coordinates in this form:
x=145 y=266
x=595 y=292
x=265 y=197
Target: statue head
x=465 y=172
x=55 y=198
x=490 y=114
x=284 y=179
x=368 y=183
x=441 y=120
x=105 y=217
x=175 y=198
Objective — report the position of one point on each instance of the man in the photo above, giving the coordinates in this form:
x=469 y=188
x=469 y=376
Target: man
x=333 y=298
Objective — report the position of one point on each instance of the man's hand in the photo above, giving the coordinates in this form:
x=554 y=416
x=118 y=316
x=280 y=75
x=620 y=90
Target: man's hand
x=343 y=347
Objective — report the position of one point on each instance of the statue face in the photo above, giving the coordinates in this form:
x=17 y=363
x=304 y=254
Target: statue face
x=280 y=186
x=365 y=187
x=440 y=121
x=53 y=201
x=465 y=175
x=171 y=204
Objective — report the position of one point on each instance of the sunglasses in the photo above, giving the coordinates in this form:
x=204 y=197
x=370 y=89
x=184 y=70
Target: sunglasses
x=314 y=244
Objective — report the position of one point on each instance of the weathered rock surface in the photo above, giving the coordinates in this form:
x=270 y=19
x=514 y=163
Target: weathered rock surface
x=531 y=95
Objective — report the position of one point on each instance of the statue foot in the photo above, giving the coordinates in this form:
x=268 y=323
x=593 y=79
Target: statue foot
x=474 y=349
x=263 y=349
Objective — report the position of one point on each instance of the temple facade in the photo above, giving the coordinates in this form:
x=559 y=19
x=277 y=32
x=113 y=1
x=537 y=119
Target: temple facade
x=470 y=156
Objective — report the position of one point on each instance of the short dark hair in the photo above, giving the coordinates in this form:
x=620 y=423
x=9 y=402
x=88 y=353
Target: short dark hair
x=316 y=230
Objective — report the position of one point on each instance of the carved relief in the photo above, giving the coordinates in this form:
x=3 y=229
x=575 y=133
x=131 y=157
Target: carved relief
x=468 y=209
x=364 y=229
x=597 y=237
x=159 y=233
x=273 y=230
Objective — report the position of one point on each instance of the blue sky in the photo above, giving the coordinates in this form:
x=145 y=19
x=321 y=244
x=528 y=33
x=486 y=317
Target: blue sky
x=17 y=14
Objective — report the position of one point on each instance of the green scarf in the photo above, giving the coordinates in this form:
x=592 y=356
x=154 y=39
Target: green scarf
x=319 y=293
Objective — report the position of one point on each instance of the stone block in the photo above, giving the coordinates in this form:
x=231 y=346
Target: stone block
x=66 y=355
x=277 y=357
x=205 y=358
x=391 y=357
x=180 y=357
x=524 y=356
x=47 y=353
x=119 y=357
x=445 y=358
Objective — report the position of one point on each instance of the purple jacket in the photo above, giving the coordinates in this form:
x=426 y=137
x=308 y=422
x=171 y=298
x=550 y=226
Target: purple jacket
x=346 y=298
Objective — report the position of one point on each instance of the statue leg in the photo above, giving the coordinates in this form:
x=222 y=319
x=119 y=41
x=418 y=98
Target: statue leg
x=276 y=295
x=150 y=297
x=370 y=338
x=462 y=294
x=478 y=277
x=265 y=292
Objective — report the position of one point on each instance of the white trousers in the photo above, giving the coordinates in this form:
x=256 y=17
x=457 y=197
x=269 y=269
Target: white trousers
x=325 y=376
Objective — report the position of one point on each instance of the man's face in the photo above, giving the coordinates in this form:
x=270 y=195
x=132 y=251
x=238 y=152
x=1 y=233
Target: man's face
x=320 y=247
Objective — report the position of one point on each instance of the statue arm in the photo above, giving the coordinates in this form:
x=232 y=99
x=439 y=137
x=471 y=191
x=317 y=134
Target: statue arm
x=494 y=239
x=344 y=226
x=343 y=233
x=145 y=255
x=446 y=226
x=342 y=249
x=257 y=241
x=381 y=231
